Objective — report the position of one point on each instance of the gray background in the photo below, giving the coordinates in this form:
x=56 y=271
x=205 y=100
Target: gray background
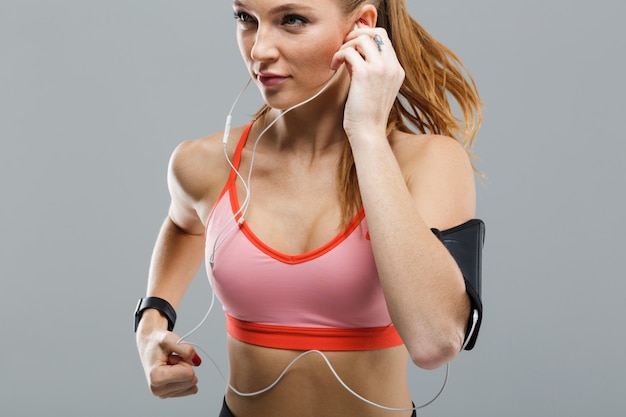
x=94 y=96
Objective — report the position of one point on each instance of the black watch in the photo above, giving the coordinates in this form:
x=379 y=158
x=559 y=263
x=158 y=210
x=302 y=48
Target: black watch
x=158 y=304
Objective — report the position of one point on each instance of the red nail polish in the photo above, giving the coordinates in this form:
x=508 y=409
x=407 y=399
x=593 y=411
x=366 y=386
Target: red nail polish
x=196 y=360
x=361 y=20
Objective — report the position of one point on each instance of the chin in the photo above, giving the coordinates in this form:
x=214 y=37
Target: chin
x=283 y=100
x=280 y=101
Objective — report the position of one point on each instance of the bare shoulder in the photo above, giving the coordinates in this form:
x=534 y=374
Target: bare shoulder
x=197 y=173
x=428 y=154
x=439 y=174
x=192 y=166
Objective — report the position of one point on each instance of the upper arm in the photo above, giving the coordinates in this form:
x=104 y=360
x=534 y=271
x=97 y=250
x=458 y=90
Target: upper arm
x=440 y=178
x=188 y=186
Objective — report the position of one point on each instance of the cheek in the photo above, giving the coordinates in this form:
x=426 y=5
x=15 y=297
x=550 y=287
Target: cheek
x=245 y=44
x=318 y=54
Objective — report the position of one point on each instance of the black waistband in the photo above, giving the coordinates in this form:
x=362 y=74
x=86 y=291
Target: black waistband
x=225 y=412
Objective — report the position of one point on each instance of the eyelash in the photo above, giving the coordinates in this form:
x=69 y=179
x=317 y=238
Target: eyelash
x=246 y=19
x=302 y=20
x=242 y=17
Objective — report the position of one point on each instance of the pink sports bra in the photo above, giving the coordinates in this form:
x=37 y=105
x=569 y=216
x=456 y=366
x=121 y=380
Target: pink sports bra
x=326 y=299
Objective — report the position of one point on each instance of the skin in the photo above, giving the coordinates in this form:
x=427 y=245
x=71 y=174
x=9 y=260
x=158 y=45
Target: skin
x=409 y=183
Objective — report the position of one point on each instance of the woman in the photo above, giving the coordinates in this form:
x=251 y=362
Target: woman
x=334 y=251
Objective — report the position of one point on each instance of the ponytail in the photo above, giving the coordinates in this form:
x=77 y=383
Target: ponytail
x=432 y=73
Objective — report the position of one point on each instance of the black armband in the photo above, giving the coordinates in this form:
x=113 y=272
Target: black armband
x=465 y=244
x=158 y=304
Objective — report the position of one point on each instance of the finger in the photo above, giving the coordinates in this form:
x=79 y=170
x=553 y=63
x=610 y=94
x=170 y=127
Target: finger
x=363 y=30
x=349 y=56
x=176 y=373
x=378 y=40
x=352 y=52
x=173 y=391
x=173 y=380
x=368 y=49
x=338 y=60
x=375 y=40
x=174 y=359
x=183 y=350
x=360 y=29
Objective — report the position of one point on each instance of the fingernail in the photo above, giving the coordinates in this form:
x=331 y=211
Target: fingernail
x=196 y=360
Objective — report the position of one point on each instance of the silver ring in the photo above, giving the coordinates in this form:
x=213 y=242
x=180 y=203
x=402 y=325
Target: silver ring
x=379 y=42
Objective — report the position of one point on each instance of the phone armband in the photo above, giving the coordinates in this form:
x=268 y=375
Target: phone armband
x=465 y=244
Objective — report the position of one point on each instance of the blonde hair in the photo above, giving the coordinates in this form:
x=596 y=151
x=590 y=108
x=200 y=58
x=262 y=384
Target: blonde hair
x=433 y=74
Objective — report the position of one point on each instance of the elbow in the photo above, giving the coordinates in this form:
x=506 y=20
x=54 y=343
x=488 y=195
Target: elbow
x=433 y=354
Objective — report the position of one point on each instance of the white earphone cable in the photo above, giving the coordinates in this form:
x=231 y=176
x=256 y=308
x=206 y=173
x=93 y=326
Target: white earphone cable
x=219 y=240
x=243 y=207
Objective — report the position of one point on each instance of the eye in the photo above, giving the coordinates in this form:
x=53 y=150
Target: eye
x=243 y=18
x=294 y=20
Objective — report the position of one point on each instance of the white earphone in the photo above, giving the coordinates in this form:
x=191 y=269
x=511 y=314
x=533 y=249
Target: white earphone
x=220 y=239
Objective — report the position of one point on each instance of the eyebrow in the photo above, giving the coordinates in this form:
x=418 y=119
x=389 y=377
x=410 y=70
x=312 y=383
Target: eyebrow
x=287 y=7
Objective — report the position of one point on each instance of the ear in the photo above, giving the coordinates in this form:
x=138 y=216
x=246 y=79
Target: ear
x=367 y=15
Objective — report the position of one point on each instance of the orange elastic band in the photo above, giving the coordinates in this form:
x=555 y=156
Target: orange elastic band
x=310 y=338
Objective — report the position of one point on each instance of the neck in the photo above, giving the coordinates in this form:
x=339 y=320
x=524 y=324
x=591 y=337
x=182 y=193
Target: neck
x=313 y=126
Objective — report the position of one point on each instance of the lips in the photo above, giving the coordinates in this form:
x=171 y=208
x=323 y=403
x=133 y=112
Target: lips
x=270 y=80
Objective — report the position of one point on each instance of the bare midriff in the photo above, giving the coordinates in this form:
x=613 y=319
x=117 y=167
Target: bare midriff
x=309 y=388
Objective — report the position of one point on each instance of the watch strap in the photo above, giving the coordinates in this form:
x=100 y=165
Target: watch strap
x=158 y=304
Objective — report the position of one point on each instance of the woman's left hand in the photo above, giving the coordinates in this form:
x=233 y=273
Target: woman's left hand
x=376 y=77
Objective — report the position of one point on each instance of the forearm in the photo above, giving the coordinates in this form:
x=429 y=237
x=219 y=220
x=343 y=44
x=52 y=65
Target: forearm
x=175 y=261
x=423 y=286
x=167 y=363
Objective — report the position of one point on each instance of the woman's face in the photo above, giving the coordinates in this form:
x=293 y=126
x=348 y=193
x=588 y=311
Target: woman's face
x=288 y=45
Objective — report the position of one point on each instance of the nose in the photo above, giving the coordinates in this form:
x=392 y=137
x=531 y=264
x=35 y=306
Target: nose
x=265 y=45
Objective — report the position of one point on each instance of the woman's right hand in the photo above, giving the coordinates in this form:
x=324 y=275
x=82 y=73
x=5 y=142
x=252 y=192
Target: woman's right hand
x=167 y=364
